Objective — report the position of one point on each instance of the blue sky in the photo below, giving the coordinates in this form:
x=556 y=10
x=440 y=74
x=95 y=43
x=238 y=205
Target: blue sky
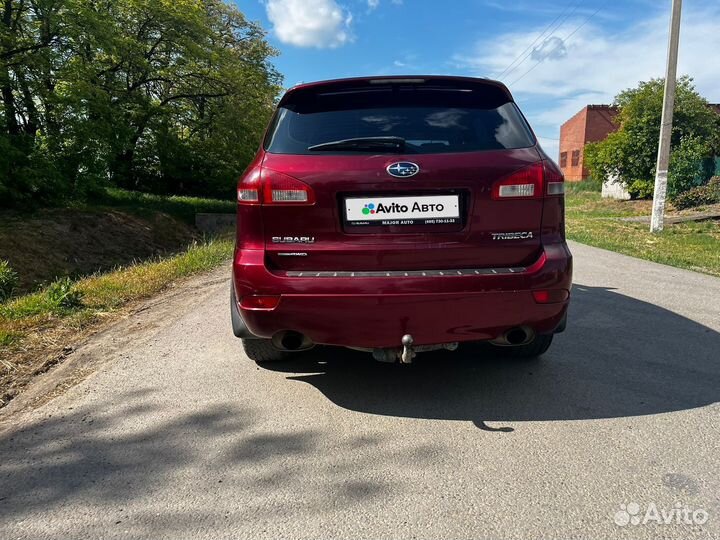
x=590 y=49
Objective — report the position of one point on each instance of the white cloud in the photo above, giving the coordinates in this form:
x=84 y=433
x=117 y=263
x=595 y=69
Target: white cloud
x=310 y=23
x=561 y=75
x=374 y=4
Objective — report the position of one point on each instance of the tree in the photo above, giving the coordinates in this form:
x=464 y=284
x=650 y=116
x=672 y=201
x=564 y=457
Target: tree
x=169 y=96
x=630 y=153
x=29 y=37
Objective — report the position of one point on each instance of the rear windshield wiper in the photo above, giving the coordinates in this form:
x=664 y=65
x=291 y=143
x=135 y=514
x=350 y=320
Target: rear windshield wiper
x=362 y=143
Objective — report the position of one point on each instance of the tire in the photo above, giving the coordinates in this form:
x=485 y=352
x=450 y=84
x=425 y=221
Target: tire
x=535 y=348
x=262 y=351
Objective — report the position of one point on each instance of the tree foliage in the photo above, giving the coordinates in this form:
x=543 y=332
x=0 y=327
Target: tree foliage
x=167 y=96
x=690 y=165
x=630 y=153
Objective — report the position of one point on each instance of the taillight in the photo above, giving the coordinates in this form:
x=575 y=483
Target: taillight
x=250 y=188
x=526 y=183
x=268 y=187
x=554 y=181
x=280 y=188
x=248 y=196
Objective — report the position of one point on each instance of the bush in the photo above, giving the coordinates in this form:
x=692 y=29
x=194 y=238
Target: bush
x=62 y=294
x=8 y=280
x=688 y=166
x=697 y=196
x=641 y=189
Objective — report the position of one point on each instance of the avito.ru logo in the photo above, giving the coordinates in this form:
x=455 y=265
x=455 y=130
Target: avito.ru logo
x=634 y=514
x=394 y=208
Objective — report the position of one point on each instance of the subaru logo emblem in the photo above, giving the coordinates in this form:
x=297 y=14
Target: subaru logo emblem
x=403 y=169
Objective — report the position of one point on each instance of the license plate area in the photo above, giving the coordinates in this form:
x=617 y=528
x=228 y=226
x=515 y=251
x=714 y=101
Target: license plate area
x=404 y=212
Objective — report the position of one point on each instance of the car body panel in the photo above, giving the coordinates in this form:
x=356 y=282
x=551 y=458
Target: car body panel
x=470 y=175
x=366 y=287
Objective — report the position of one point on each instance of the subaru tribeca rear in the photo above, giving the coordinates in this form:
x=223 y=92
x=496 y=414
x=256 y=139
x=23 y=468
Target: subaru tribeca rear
x=398 y=215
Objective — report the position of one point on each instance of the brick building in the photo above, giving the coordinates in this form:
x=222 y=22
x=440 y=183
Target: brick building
x=592 y=123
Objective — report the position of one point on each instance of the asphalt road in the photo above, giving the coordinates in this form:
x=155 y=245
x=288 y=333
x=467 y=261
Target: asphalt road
x=176 y=434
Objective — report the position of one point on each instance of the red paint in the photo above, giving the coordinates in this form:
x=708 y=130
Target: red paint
x=378 y=311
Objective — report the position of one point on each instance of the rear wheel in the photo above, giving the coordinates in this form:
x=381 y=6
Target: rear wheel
x=538 y=346
x=262 y=350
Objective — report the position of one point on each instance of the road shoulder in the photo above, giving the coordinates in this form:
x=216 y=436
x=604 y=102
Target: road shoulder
x=136 y=323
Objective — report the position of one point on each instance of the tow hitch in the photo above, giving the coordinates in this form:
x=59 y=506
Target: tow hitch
x=407 y=352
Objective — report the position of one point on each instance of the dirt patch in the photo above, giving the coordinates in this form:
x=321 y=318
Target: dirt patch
x=39 y=335
x=67 y=242
x=703 y=213
x=61 y=355
x=703 y=209
x=640 y=207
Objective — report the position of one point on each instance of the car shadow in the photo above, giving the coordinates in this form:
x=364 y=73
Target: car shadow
x=619 y=357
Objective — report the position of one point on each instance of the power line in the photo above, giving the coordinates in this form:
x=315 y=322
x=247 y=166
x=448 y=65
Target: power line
x=565 y=16
x=556 y=139
x=564 y=41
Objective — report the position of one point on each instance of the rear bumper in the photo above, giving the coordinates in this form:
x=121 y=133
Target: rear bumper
x=377 y=311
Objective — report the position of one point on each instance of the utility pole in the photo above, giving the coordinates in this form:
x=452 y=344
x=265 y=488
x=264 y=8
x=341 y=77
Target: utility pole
x=663 y=159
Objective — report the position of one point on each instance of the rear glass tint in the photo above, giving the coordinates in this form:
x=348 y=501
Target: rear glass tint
x=431 y=120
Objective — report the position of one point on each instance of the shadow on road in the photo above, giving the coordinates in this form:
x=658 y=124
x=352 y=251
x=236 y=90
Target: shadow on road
x=130 y=466
x=619 y=357
x=103 y=457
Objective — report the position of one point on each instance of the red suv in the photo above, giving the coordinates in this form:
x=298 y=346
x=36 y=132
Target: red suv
x=398 y=215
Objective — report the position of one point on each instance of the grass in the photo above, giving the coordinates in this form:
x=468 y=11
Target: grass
x=34 y=327
x=77 y=238
x=183 y=208
x=111 y=290
x=583 y=186
x=597 y=222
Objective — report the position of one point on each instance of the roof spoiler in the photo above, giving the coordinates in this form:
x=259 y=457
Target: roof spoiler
x=360 y=83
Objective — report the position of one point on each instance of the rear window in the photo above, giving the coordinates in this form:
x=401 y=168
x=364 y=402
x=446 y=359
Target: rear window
x=430 y=120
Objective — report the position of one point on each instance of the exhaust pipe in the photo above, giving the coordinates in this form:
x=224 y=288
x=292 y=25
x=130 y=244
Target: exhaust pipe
x=516 y=336
x=289 y=340
x=520 y=335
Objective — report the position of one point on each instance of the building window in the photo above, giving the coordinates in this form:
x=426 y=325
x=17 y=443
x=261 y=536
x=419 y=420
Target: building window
x=575 y=158
x=563 y=160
